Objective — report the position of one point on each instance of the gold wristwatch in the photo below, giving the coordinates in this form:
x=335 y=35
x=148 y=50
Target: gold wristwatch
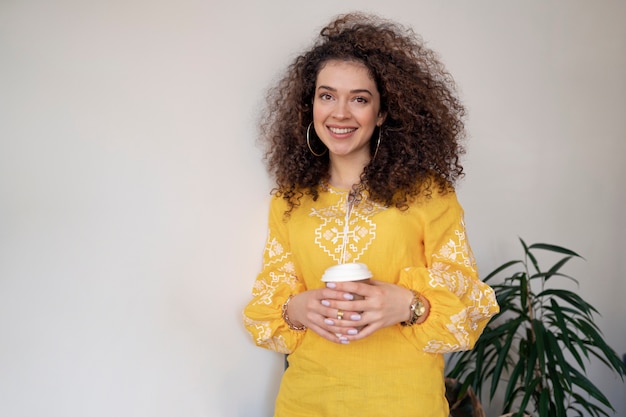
x=417 y=310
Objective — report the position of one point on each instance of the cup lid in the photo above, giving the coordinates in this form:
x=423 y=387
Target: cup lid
x=347 y=272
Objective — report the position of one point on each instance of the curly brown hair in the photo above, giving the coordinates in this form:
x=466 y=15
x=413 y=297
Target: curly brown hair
x=422 y=132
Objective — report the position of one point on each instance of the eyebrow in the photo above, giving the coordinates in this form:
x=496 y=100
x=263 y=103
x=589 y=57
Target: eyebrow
x=356 y=91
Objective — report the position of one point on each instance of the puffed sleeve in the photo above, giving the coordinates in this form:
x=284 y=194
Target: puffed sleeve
x=275 y=283
x=460 y=303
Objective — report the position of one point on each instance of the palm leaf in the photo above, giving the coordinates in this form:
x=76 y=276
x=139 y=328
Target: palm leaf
x=503 y=354
x=530 y=256
x=529 y=393
x=554 y=248
x=500 y=269
x=586 y=385
x=557 y=357
x=513 y=380
x=589 y=407
x=572 y=298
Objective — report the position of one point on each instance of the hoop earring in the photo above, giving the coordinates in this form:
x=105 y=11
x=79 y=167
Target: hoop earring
x=308 y=142
x=380 y=130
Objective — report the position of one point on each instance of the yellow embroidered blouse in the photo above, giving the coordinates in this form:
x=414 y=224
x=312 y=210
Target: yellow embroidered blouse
x=397 y=371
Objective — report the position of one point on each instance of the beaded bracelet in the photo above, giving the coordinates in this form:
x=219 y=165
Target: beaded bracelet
x=286 y=317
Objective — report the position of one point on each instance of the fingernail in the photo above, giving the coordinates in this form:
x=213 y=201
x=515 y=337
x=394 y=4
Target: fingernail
x=331 y=285
x=355 y=317
x=325 y=303
x=353 y=331
x=348 y=296
x=345 y=342
x=329 y=322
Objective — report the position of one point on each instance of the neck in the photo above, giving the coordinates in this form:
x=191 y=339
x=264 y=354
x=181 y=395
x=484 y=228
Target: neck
x=345 y=174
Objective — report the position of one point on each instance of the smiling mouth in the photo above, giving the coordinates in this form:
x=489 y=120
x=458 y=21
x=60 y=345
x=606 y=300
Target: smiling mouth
x=342 y=131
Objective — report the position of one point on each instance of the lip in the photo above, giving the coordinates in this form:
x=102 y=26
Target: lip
x=341 y=131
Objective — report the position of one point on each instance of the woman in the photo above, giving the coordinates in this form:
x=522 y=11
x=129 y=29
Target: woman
x=363 y=138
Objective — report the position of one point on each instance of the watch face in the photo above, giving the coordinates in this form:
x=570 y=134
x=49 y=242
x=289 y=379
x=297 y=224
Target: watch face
x=420 y=308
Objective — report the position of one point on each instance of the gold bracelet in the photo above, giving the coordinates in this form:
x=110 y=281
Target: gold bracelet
x=418 y=309
x=286 y=317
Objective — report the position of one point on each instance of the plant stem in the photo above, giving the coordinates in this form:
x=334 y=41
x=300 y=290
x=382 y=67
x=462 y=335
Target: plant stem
x=533 y=336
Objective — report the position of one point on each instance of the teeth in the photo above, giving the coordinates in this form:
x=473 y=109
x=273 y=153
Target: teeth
x=341 y=131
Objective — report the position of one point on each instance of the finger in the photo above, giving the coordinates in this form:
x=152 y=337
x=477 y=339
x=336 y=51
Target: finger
x=335 y=294
x=357 y=287
x=341 y=327
x=332 y=336
x=333 y=313
x=351 y=309
x=362 y=332
x=331 y=328
x=333 y=316
x=345 y=305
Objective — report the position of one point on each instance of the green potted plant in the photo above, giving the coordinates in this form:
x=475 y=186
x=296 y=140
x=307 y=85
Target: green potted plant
x=537 y=347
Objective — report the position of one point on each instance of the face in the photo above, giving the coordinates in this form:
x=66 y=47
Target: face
x=346 y=110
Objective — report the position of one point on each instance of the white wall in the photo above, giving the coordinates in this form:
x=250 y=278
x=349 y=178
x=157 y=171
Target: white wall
x=133 y=199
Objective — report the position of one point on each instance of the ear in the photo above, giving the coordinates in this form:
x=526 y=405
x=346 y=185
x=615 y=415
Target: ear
x=381 y=119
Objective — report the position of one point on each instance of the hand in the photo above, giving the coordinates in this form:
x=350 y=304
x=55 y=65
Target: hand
x=313 y=309
x=384 y=305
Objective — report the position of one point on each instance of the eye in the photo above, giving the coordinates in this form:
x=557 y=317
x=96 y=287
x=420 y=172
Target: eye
x=325 y=96
x=361 y=100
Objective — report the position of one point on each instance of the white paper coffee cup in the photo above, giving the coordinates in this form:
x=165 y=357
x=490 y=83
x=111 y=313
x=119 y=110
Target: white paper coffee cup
x=347 y=272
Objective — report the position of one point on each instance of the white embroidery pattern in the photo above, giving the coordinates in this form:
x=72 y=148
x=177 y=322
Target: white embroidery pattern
x=346 y=228
x=264 y=290
x=444 y=274
x=274 y=253
x=264 y=330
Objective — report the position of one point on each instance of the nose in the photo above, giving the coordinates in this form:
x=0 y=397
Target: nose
x=341 y=110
